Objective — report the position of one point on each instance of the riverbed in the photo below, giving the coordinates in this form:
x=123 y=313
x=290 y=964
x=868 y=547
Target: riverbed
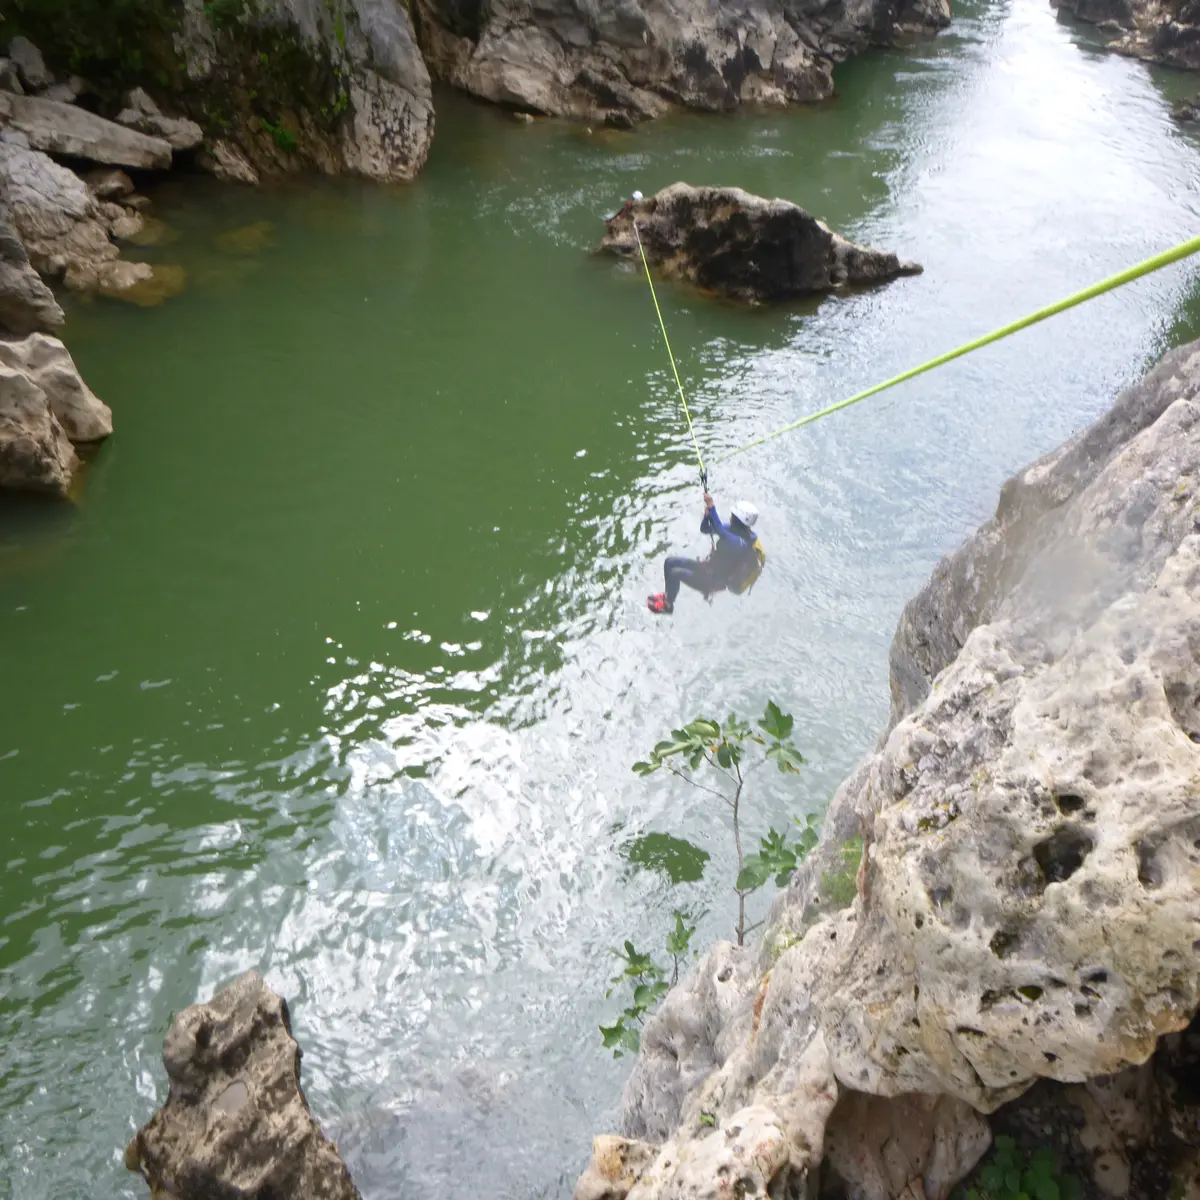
x=339 y=666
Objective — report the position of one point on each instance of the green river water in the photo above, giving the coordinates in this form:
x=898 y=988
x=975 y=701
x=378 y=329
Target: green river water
x=340 y=664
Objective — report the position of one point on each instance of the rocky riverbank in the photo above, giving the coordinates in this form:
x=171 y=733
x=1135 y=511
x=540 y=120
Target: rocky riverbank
x=1027 y=909
x=1147 y=29
x=629 y=62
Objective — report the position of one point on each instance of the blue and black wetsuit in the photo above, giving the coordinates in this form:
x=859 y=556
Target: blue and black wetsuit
x=731 y=561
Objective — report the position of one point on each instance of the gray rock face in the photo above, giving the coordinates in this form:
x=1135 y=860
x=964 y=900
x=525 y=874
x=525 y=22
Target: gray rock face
x=236 y=1122
x=742 y=246
x=1027 y=902
x=377 y=116
x=26 y=303
x=10 y=81
x=1167 y=33
x=30 y=66
x=65 y=129
x=141 y=113
x=63 y=227
x=35 y=452
x=622 y=62
x=45 y=361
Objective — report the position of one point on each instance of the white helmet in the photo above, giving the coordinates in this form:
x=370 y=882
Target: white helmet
x=745 y=512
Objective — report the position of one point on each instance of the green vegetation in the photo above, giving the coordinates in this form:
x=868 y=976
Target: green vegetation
x=840 y=886
x=1009 y=1174
x=263 y=70
x=649 y=983
x=283 y=137
x=114 y=44
x=721 y=755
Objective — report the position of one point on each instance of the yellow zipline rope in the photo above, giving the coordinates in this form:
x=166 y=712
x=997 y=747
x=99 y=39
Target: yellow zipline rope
x=667 y=342
x=1156 y=263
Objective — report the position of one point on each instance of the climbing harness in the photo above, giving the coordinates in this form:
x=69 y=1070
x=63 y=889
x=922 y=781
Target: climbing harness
x=675 y=370
x=1150 y=265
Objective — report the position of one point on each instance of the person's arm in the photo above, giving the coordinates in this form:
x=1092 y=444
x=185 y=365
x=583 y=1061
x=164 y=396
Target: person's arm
x=713 y=524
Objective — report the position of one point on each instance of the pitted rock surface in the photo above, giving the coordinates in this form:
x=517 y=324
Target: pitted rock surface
x=236 y=1122
x=742 y=246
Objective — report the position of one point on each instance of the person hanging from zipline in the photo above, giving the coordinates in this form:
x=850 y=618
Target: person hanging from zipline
x=734 y=565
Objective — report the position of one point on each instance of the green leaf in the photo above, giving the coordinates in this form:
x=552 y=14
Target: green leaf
x=645 y=768
x=725 y=755
x=619 y=1038
x=756 y=870
x=707 y=1118
x=680 y=937
x=992 y=1178
x=646 y=995
x=1070 y=1188
x=1043 y=1163
x=776 y=723
x=1045 y=1189
x=1012 y=1181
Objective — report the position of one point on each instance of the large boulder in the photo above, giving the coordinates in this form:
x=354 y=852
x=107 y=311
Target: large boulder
x=1026 y=903
x=626 y=61
x=45 y=360
x=301 y=85
x=1167 y=33
x=64 y=129
x=26 y=303
x=35 y=452
x=66 y=231
x=743 y=246
x=236 y=1122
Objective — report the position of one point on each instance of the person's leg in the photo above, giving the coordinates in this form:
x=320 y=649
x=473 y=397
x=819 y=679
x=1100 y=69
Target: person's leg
x=677 y=571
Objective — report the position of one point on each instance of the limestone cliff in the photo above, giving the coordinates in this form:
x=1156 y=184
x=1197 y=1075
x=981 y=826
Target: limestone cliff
x=1027 y=905
x=625 y=61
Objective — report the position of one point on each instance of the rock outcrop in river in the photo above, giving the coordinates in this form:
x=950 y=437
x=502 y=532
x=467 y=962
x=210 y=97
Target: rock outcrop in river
x=1027 y=906
x=626 y=62
x=743 y=246
x=1167 y=33
x=236 y=1122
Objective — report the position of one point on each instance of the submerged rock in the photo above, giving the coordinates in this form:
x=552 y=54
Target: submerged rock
x=743 y=246
x=236 y=1122
x=75 y=132
x=631 y=60
x=1026 y=902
